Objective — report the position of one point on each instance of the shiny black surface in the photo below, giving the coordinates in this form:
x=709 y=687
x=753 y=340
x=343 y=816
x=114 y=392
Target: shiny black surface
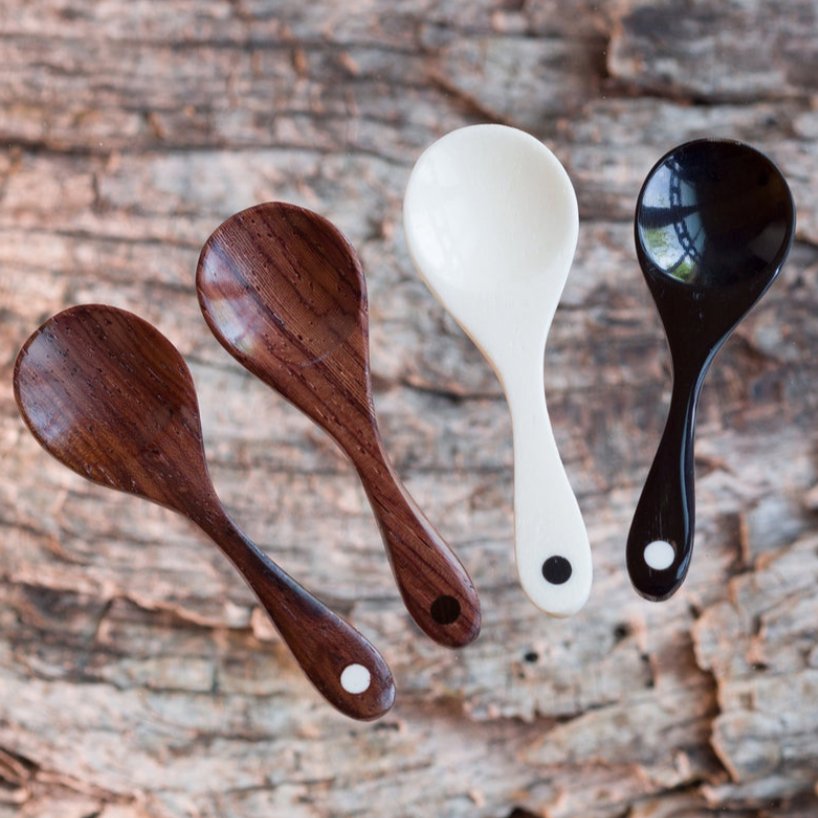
x=714 y=212
x=714 y=223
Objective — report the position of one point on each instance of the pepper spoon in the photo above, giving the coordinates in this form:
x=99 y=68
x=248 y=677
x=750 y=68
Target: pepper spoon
x=283 y=291
x=110 y=397
x=714 y=223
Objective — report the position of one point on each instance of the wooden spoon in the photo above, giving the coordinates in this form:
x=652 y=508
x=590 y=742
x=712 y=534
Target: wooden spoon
x=111 y=398
x=284 y=293
x=491 y=223
x=715 y=221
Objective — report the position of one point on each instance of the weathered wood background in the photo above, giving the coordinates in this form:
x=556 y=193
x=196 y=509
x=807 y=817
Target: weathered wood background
x=137 y=678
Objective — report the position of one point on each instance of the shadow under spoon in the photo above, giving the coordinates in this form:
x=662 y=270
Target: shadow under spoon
x=714 y=223
x=110 y=397
x=284 y=293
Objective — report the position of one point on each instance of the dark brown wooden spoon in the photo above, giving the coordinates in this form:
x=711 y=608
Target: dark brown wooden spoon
x=284 y=292
x=111 y=398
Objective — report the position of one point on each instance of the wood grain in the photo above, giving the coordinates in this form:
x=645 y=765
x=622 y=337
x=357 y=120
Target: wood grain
x=284 y=293
x=138 y=675
x=111 y=398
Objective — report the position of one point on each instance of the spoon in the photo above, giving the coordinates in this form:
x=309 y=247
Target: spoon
x=491 y=223
x=111 y=398
x=284 y=293
x=714 y=223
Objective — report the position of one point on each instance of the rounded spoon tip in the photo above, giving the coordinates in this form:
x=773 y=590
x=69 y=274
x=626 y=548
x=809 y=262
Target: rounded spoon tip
x=558 y=586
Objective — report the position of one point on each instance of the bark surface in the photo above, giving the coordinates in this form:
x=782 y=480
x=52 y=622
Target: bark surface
x=139 y=679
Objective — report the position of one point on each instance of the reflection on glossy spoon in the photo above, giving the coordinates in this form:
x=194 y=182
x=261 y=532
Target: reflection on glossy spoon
x=111 y=398
x=491 y=223
x=284 y=293
x=714 y=223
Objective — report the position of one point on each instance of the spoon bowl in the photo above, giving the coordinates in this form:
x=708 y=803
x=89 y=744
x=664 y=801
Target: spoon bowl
x=283 y=291
x=491 y=222
x=711 y=214
x=110 y=397
x=714 y=223
x=325 y=304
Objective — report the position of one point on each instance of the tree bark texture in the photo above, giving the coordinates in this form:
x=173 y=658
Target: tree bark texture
x=139 y=679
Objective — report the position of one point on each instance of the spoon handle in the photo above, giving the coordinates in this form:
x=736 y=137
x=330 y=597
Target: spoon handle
x=550 y=539
x=660 y=542
x=436 y=590
x=341 y=663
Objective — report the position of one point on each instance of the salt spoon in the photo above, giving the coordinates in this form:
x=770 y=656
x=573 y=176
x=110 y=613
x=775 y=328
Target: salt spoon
x=491 y=222
x=714 y=223
x=110 y=397
x=284 y=293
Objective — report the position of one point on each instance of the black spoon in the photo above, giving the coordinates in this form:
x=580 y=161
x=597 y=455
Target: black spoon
x=715 y=220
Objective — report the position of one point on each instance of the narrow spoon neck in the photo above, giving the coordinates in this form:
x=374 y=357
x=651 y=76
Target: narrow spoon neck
x=245 y=555
x=344 y=667
x=368 y=455
x=434 y=585
x=689 y=371
x=524 y=387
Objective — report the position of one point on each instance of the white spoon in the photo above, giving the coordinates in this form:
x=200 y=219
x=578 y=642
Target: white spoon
x=491 y=223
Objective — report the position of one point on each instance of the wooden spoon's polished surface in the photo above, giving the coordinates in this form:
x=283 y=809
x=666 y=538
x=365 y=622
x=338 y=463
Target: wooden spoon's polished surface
x=111 y=398
x=714 y=223
x=284 y=293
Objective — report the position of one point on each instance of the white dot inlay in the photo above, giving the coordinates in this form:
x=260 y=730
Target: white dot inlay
x=355 y=678
x=659 y=555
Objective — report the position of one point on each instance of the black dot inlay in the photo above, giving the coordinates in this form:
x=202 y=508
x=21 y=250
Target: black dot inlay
x=445 y=610
x=557 y=570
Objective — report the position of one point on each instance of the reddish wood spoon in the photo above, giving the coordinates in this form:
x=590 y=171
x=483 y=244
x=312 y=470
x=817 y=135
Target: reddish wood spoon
x=284 y=293
x=111 y=398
